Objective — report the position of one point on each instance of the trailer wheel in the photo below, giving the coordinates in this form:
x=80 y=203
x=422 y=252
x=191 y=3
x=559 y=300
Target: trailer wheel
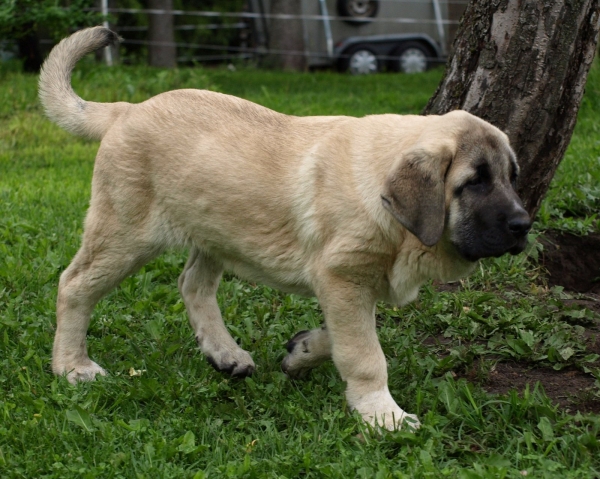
x=360 y=60
x=411 y=57
x=357 y=11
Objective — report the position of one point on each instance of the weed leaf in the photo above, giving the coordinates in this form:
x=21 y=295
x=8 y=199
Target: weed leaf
x=188 y=443
x=546 y=428
x=82 y=418
x=567 y=352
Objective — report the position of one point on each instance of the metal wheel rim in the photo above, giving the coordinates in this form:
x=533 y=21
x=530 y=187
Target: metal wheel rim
x=413 y=60
x=360 y=8
x=363 y=62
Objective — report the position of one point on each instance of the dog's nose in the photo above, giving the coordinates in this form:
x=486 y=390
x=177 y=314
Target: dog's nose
x=520 y=225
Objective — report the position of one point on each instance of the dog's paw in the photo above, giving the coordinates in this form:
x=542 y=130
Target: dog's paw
x=85 y=371
x=302 y=355
x=393 y=420
x=297 y=364
x=238 y=364
x=379 y=409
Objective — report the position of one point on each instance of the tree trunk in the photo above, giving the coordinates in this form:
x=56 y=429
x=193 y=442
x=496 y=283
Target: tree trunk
x=522 y=66
x=162 y=51
x=286 y=37
x=30 y=52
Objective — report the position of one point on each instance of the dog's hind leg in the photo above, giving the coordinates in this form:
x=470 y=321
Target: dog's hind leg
x=198 y=285
x=106 y=257
x=306 y=351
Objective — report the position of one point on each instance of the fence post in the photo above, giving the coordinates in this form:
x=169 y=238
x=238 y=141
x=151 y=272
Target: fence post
x=107 y=50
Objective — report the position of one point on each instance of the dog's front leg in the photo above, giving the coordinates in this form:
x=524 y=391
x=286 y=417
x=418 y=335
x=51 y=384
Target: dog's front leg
x=349 y=310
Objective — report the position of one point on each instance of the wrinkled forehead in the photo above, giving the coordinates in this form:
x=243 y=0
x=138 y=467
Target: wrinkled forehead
x=487 y=146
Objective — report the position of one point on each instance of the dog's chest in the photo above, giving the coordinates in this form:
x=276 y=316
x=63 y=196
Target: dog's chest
x=404 y=285
x=415 y=266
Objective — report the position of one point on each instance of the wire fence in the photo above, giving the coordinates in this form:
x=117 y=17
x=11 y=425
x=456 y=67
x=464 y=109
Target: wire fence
x=238 y=36
x=277 y=16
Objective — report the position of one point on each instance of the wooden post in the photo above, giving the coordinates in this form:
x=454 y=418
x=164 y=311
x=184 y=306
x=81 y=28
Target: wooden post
x=162 y=51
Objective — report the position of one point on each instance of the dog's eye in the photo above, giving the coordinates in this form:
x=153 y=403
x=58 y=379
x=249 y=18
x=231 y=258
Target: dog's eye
x=513 y=179
x=482 y=176
x=479 y=182
x=475 y=181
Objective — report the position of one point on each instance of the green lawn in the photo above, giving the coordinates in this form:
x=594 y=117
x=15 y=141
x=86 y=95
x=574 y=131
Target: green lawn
x=164 y=412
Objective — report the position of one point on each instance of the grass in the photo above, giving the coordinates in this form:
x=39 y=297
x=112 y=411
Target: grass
x=164 y=412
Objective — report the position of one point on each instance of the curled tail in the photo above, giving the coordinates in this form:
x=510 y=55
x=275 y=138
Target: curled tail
x=62 y=105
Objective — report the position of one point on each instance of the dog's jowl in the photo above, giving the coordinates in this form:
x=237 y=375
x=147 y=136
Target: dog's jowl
x=351 y=210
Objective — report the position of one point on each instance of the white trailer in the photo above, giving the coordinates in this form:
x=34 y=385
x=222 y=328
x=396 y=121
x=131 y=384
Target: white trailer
x=368 y=36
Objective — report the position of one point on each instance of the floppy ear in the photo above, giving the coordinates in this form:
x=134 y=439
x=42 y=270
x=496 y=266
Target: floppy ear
x=414 y=192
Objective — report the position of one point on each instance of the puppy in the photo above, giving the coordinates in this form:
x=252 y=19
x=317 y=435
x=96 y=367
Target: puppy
x=352 y=210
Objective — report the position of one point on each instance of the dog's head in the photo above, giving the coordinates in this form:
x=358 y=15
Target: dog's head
x=458 y=180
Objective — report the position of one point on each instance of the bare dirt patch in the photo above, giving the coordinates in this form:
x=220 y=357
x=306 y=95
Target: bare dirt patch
x=572 y=261
x=569 y=388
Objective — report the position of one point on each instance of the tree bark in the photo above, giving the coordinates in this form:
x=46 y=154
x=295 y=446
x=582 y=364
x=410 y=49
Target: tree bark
x=162 y=51
x=522 y=66
x=286 y=37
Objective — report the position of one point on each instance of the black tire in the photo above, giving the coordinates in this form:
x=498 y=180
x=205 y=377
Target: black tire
x=357 y=11
x=411 y=57
x=360 y=59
